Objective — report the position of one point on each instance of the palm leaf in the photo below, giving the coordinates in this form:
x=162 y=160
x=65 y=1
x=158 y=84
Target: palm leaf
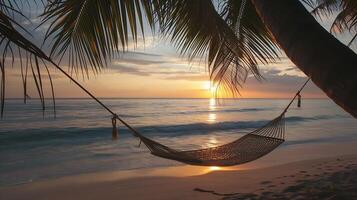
x=89 y=32
x=10 y=40
x=197 y=29
x=346 y=19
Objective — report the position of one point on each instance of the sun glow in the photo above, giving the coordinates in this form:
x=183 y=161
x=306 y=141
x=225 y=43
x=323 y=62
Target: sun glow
x=210 y=86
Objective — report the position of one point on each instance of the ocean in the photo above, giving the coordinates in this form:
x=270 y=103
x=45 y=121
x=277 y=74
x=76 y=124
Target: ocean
x=37 y=146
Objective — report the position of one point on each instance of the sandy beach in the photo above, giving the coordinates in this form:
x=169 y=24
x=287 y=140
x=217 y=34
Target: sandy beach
x=328 y=171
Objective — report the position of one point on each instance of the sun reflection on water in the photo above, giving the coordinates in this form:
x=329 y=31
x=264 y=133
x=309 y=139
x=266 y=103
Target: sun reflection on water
x=212 y=117
x=214 y=168
x=212 y=142
x=212 y=107
x=212 y=104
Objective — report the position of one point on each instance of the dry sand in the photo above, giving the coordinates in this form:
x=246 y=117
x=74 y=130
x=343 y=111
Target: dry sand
x=333 y=177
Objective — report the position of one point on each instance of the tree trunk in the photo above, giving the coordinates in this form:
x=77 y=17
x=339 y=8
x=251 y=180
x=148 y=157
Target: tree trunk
x=331 y=65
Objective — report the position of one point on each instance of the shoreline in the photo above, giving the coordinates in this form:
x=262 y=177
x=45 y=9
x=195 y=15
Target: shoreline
x=183 y=180
x=261 y=181
x=176 y=169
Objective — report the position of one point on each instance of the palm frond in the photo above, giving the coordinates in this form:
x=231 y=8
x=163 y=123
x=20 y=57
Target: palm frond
x=310 y=3
x=14 y=44
x=91 y=31
x=346 y=19
x=197 y=29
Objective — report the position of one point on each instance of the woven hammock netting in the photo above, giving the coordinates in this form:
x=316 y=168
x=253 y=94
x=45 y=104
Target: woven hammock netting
x=245 y=149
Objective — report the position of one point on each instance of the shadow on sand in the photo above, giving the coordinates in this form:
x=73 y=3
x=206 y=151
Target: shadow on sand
x=329 y=185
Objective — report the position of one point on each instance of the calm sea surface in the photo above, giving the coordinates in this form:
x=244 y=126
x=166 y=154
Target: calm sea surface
x=34 y=146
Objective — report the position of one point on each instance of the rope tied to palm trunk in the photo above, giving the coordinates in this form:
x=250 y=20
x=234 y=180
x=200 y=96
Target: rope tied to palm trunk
x=298 y=95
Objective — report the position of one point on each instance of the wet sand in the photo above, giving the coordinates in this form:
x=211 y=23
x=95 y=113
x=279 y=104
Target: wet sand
x=333 y=177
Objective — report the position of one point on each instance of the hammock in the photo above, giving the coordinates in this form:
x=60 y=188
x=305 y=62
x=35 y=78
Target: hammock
x=245 y=149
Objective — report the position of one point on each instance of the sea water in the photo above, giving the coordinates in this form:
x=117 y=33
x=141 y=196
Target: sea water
x=36 y=145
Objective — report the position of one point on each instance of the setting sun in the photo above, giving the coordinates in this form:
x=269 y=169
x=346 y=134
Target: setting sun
x=210 y=86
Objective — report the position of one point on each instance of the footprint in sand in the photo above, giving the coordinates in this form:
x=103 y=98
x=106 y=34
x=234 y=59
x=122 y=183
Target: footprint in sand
x=266 y=193
x=265 y=182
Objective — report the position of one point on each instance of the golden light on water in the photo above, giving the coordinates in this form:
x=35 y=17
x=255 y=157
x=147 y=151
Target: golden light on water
x=212 y=142
x=214 y=168
x=212 y=104
x=212 y=117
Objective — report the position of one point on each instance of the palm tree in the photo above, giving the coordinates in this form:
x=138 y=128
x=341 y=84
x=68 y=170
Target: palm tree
x=236 y=36
x=330 y=64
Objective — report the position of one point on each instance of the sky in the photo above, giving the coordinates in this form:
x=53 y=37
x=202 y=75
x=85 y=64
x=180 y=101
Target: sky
x=154 y=69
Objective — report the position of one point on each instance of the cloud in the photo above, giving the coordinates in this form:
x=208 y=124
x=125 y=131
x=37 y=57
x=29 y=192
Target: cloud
x=131 y=70
x=277 y=82
x=272 y=72
x=135 y=53
x=282 y=73
x=161 y=66
x=188 y=77
x=44 y=76
x=292 y=69
x=167 y=74
x=137 y=61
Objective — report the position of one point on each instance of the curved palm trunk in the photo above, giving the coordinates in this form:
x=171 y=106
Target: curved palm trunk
x=331 y=65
